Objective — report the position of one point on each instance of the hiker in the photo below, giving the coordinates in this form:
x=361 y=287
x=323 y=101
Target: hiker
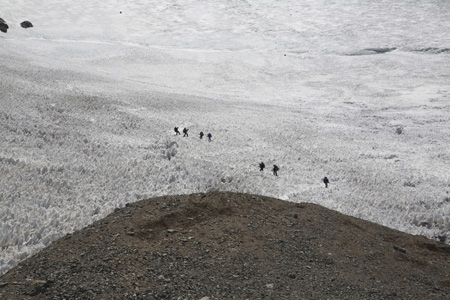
x=262 y=166
x=201 y=134
x=326 y=181
x=209 y=135
x=176 y=131
x=275 y=170
x=185 y=131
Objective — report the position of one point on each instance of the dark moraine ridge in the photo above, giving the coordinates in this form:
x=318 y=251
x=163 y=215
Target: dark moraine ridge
x=232 y=246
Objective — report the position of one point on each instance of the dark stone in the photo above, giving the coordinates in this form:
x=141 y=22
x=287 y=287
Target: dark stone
x=36 y=287
x=399 y=249
x=26 y=24
x=3 y=27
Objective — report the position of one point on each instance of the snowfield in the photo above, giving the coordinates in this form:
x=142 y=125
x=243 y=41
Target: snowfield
x=358 y=91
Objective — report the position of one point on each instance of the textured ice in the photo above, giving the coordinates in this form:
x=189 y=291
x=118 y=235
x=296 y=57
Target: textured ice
x=90 y=95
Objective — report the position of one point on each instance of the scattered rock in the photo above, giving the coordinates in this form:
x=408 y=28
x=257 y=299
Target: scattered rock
x=399 y=249
x=425 y=224
x=442 y=238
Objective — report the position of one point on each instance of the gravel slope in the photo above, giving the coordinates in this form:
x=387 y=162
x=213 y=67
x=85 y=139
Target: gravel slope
x=232 y=246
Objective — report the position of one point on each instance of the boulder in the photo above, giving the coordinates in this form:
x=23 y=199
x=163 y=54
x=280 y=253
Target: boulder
x=3 y=26
x=26 y=24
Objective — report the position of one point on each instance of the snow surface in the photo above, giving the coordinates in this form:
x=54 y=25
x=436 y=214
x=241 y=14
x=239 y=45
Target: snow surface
x=357 y=91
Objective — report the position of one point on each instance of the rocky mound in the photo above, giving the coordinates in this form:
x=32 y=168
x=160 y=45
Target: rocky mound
x=232 y=246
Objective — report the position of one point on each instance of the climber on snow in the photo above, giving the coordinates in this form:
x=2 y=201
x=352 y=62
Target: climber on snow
x=275 y=170
x=326 y=181
x=261 y=166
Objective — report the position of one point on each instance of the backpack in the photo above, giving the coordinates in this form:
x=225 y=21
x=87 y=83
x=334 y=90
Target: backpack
x=275 y=167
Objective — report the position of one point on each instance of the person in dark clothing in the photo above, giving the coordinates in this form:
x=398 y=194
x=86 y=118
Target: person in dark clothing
x=201 y=134
x=176 y=131
x=185 y=131
x=275 y=170
x=209 y=135
x=261 y=166
x=326 y=181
